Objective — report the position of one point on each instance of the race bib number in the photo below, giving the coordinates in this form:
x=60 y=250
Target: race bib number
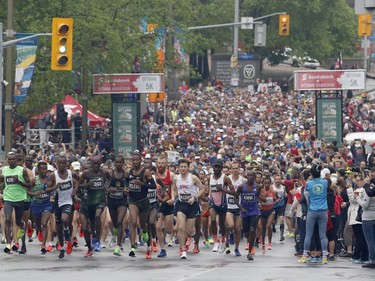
x=11 y=179
x=134 y=188
x=66 y=185
x=269 y=201
x=43 y=196
x=151 y=194
x=231 y=201
x=97 y=184
x=249 y=198
x=184 y=197
x=118 y=194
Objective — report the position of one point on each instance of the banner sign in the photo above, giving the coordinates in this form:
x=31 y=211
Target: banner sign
x=349 y=79
x=329 y=120
x=128 y=83
x=26 y=55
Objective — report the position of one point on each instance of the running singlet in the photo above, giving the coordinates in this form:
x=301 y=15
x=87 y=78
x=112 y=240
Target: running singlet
x=249 y=201
x=230 y=198
x=268 y=205
x=280 y=192
x=136 y=192
x=185 y=188
x=119 y=183
x=168 y=183
x=41 y=199
x=13 y=192
x=96 y=192
x=217 y=198
x=64 y=193
x=151 y=194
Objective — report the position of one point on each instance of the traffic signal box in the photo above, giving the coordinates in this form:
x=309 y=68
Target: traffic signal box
x=364 y=25
x=284 y=25
x=62 y=44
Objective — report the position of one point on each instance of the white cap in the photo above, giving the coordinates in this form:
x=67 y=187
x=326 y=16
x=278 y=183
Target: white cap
x=325 y=172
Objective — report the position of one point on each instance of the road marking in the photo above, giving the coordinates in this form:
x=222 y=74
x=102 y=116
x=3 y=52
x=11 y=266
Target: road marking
x=195 y=275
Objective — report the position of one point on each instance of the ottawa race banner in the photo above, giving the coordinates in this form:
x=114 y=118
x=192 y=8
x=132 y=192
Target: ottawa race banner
x=25 y=61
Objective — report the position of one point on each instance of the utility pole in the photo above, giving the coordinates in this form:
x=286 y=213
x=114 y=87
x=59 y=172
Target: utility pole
x=8 y=107
x=1 y=85
x=236 y=18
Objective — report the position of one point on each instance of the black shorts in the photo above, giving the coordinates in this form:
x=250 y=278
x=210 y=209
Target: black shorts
x=249 y=223
x=235 y=212
x=26 y=206
x=154 y=206
x=219 y=209
x=64 y=209
x=166 y=209
x=331 y=235
x=83 y=210
x=91 y=210
x=280 y=211
x=190 y=211
x=118 y=203
x=18 y=210
x=266 y=214
x=142 y=205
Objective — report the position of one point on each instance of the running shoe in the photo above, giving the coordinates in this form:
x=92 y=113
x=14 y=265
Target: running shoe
x=210 y=240
x=249 y=257
x=237 y=253
x=221 y=248
x=154 y=246
x=318 y=259
x=7 y=249
x=345 y=255
x=49 y=248
x=183 y=255
x=253 y=251
x=269 y=247
x=324 y=260
x=67 y=235
x=144 y=237
x=132 y=253
x=274 y=228
x=290 y=235
x=227 y=250
x=369 y=265
x=162 y=254
x=187 y=245
x=69 y=247
x=3 y=241
x=206 y=244
x=97 y=247
x=303 y=259
x=312 y=259
x=148 y=254
x=40 y=236
x=20 y=233
x=29 y=232
x=282 y=238
x=356 y=261
x=23 y=250
x=247 y=247
x=216 y=247
x=43 y=250
x=62 y=254
x=75 y=242
x=231 y=238
x=170 y=243
x=89 y=253
x=263 y=249
x=196 y=249
x=15 y=247
x=331 y=257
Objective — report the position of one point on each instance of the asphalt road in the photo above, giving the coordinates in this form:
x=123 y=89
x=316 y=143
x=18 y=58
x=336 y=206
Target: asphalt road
x=278 y=264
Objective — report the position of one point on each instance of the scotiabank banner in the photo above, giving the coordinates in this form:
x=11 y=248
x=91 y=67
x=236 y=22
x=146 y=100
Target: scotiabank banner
x=349 y=79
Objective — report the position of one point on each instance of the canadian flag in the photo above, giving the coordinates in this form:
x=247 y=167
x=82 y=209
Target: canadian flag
x=338 y=64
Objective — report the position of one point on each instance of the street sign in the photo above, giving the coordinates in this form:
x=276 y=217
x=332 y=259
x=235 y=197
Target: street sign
x=247 y=22
x=128 y=83
x=351 y=79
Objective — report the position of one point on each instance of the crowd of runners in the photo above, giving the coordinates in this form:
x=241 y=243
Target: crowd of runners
x=223 y=166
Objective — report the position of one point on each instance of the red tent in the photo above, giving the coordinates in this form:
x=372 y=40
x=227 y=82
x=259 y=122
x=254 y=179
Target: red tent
x=71 y=106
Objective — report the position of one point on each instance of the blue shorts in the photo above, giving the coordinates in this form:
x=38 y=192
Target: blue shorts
x=37 y=210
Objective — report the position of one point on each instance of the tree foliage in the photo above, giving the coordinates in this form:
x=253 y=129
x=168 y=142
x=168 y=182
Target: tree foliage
x=107 y=35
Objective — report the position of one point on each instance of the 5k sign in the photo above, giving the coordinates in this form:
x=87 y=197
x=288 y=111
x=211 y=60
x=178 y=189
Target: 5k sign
x=351 y=79
x=145 y=83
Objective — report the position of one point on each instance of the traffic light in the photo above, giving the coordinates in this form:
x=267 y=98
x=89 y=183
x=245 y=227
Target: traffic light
x=284 y=25
x=364 y=25
x=62 y=44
